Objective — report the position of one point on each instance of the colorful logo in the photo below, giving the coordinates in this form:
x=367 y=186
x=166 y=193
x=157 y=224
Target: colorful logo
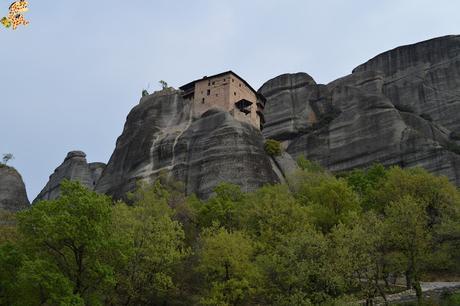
x=15 y=16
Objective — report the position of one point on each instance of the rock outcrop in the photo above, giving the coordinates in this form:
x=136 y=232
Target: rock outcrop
x=13 y=195
x=74 y=168
x=161 y=134
x=401 y=107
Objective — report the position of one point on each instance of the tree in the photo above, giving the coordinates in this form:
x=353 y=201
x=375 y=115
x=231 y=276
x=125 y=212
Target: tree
x=291 y=254
x=309 y=166
x=359 y=254
x=440 y=197
x=366 y=182
x=151 y=246
x=40 y=282
x=225 y=264
x=273 y=147
x=407 y=231
x=222 y=209
x=71 y=238
x=329 y=200
x=10 y=260
x=7 y=157
x=163 y=84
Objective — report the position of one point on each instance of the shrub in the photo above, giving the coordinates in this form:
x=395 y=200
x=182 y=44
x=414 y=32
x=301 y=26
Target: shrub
x=273 y=147
x=308 y=165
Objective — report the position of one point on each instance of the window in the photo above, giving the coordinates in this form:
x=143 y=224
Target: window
x=213 y=83
x=234 y=93
x=209 y=83
x=202 y=100
x=233 y=80
x=224 y=80
x=208 y=92
x=217 y=95
x=240 y=84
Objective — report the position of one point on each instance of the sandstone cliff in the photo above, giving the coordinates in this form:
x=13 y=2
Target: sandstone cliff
x=76 y=168
x=401 y=107
x=161 y=134
x=13 y=196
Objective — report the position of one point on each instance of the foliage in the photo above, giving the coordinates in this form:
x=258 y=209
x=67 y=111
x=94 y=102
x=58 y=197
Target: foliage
x=328 y=199
x=360 y=254
x=407 y=231
x=320 y=239
x=163 y=84
x=451 y=299
x=273 y=147
x=309 y=166
x=225 y=265
x=7 y=157
x=222 y=209
x=71 y=237
x=150 y=244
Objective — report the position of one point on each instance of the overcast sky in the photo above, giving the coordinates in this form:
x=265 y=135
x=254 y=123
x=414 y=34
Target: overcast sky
x=70 y=78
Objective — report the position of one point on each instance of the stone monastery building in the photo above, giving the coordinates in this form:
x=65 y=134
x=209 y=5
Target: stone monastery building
x=227 y=91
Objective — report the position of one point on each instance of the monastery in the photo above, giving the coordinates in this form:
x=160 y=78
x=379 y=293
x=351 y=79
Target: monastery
x=227 y=91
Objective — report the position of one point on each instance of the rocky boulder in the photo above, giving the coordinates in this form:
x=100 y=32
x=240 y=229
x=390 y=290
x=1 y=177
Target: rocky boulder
x=13 y=195
x=161 y=135
x=400 y=108
x=74 y=168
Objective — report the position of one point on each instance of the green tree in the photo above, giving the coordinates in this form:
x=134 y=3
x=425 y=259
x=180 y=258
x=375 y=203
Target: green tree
x=329 y=200
x=71 y=238
x=366 y=182
x=40 y=282
x=272 y=212
x=7 y=157
x=440 y=197
x=308 y=165
x=10 y=260
x=225 y=264
x=273 y=147
x=291 y=254
x=222 y=209
x=163 y=84
x=359 y=254
x=151 y=245
x=407 y=231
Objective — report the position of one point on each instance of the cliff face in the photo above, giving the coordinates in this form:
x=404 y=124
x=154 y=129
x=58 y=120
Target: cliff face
x=13 y=196
x=160 y=134
x=75 y=168
x=402 y=107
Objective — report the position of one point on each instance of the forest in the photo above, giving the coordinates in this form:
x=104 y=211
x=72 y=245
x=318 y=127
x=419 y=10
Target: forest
x=318 y=239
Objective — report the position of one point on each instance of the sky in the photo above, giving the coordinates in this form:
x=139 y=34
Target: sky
x=71 y=77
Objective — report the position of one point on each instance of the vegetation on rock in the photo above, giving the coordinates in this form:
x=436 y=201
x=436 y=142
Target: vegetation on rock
x=273 y=147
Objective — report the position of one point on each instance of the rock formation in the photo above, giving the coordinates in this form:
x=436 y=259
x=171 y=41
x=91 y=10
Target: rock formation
x=13 y=195
x=401 y=107
x=75 y=168
x=161 y=134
